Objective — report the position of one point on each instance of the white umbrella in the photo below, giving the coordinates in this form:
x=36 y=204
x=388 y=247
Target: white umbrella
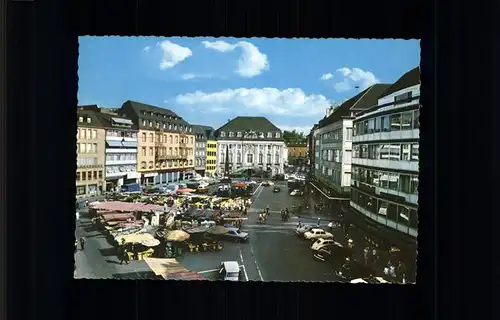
x=177 y=235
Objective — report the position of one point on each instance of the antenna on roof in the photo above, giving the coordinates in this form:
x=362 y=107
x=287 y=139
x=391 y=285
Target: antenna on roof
x=357 y=89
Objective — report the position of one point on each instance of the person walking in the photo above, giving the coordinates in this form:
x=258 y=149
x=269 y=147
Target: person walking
x=124 y=255
x=401 y=272
x=319 y=221
x=366 y=255
x=82 y=242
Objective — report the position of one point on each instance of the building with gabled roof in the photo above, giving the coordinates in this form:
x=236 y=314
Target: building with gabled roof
x=202 y=135
x=250 y=145
x=166 y=143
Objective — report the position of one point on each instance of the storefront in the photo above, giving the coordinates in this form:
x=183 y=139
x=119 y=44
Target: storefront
x=148 y=178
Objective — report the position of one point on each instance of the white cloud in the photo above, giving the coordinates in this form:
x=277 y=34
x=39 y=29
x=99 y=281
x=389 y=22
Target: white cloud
x=189 y=76
x=146 y=48
x=353 y=77
x=252 y=62
x=173 y=54
x=305 y=129
x=326 y=76
x=287 y=102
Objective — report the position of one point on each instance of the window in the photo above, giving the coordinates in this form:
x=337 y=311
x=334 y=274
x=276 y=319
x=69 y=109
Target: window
x=78 y=176
x=371 y=204
x=377 y=124
x=406 y=120
x=191 y=140
x=269 y=134
x=94 y=134
x=414 y=152
x=371 y=126
x=362 y=175
x=403 y=216
x=276 y=158
x=89 y=134
x=414 y=184
x=393 y=181
x=405 y=152
x=404 y=183
x=80 y=119
x=384 y=151
x=269 y=158
x=347 y=156
x=416 y=119
x=392 y=212
x=355 y=128
x=413 y=223
x=222 y=157
x=348 y=134
x=372 y=151
x=356 y=151
x=364 y=151
x=395 y=152
x=80 y=190
x=89 y=175
x=169 y=126
x=143 y=137
x=238 y=157
x=382 y=207
x=277 y=135
x=222 y=134
x=231 y=134
x=376 y=178
x=176 y=139
x=369 y=177
x=151 y=151
x=385 y=124
x=89 y=120
x=144 y=123
x=384 y=180
x=250 y=158
x=143 y=151
x=95 y=175
x=396 y=122
x=150 y=123
x=261 y=158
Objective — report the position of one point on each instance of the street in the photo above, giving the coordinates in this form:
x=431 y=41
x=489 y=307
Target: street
x=273 y=253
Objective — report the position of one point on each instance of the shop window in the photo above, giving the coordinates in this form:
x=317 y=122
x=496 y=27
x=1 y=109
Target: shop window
x=413 y=219
x=403 y=216
x=406 y=120
x=414 y=185
x=80 y=190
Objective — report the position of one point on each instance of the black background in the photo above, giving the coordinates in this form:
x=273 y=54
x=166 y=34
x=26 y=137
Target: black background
x=455 y=160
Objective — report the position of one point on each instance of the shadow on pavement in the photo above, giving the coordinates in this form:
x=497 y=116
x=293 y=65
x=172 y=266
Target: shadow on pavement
x=108 y=252
x=112 y=261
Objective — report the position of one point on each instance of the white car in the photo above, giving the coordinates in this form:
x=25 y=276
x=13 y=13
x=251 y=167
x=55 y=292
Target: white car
x=203 y=184
x=372 y=280
x=251 y=182
x=316 y=233
x=296 y=192
x=324 y=242
x=303 y=229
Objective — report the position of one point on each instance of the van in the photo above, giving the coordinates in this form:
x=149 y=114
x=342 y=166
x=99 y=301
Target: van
x=229 y=271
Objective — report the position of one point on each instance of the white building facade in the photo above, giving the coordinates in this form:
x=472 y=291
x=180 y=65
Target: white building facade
x=121 y=154
x=385 y=163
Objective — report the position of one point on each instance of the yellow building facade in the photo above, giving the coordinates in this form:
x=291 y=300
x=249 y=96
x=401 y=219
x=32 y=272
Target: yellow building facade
x=211 y=152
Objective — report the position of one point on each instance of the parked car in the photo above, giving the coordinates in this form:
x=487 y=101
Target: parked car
x=317 y=233
x=297 y=192
x=303 y=229
x=234 y=234
x=353 y=269
x=226 y=180
x=371 y=280
x=324 y=242
x=276 y=189
x=267 y=183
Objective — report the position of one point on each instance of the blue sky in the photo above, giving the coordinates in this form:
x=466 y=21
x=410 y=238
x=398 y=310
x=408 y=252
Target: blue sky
x=210 y=80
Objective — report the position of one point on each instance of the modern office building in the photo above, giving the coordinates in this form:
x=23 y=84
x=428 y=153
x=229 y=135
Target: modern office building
x=90 y=173
x=121 y=149
x=333 y=146
x=385 y=164
x=166 y=143
x=250 y=144
x=201 y=134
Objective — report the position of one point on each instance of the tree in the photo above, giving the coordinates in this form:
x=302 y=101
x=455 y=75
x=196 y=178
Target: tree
x=293 y=137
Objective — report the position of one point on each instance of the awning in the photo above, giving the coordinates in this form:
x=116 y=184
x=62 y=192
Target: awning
x=122 y=121
x=170 y=269
x=120 y=144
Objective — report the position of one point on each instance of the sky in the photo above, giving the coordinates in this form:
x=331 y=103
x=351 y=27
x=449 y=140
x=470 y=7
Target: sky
x=208 y=81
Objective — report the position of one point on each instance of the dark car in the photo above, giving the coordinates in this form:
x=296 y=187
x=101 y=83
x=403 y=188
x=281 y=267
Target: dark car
x=352 y=269
x=276 y=189
x=333 y=254
x=226 y=180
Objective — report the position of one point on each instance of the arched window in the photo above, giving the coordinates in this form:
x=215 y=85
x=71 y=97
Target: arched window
x=143 y=165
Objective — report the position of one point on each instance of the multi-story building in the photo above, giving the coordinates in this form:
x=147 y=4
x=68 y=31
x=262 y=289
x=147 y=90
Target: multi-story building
x=121 y=149
x=211 y=164
x=333 y=150
x=385 y=164
x=202 y=134
x=90 y=154
x=250 y=143
x=166 y=143
x=297 y=153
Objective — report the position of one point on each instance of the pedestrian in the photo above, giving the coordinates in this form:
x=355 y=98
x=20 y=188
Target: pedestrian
x=86 y=203
x=82 y=242
x=319 y=221
x=401 y=271
x=330 y=225
x=366 y=255
x=124 y=255
x=374 y=256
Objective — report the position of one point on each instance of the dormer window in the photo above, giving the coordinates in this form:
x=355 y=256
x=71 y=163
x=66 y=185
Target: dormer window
x=150 y=123
x=175 y=127
x=89 y=119
x=277 y=134
x=269 y=134
x=80 y=119
x=164 y=116
x=152 y=114
x=231 y=134
x=261 y=135
x=170 y=126
x=190 y=129
x=222 y=134
x=158 y=125
x=164 y=125
x=144 y=122
x=239 y=134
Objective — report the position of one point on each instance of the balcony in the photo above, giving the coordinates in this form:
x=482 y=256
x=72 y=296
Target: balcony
x=170 y=157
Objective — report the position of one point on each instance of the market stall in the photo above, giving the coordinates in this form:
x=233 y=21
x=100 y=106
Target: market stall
x=171 y=269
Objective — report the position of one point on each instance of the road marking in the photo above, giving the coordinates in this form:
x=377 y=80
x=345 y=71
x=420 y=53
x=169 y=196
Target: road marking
x=263 y=226
x=256 y=264
x=243 y=264
x=208 y=271
x=260 y=191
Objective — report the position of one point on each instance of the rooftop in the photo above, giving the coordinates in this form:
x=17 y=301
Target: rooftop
x=256 y=124
x=409 y=79
x=138 y=111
